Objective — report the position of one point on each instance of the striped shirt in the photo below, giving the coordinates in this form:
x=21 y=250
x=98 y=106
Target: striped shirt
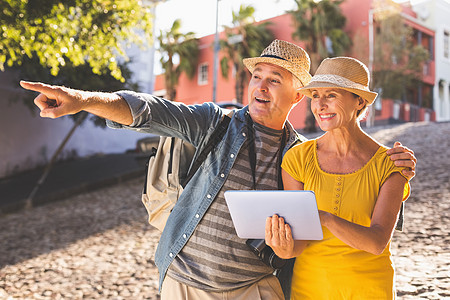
x=215 y=258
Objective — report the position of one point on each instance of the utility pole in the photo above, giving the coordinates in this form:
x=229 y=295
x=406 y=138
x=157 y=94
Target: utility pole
x=216 y=54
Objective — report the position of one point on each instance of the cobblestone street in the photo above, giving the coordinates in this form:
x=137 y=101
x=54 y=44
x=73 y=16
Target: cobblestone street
x=98 y=245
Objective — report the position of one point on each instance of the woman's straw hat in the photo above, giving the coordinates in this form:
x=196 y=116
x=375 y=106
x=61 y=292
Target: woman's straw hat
x=342 y=72
x=286 y=55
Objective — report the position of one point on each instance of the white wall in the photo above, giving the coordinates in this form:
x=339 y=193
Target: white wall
x=27 y=141
x=435 y=14
x=141 y=65
x=442 y=11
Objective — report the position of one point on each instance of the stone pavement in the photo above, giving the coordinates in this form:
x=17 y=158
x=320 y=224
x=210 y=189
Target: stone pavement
x=97 y=245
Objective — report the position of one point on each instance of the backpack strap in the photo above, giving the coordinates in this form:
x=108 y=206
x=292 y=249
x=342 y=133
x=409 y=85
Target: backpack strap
x=215 y=138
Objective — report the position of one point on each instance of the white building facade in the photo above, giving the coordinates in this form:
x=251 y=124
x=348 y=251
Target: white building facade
x=28 y=141
x=435 y=14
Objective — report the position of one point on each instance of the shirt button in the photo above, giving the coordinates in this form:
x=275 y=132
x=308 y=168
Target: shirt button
x=231 y=155
x=222 y=175
x=208 y=196
x=338 y=183
x=339 y=178
x=171 y=254
x=243 y=134
x=197 y=216
x=337 y=195
x=337 y=202
x=338 y=189
x=184 y=236
x=335 y=208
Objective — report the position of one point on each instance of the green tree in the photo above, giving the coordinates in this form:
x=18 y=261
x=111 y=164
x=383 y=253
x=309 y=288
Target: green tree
x=398 y=61
x=79 y=43
x=244 y=39
x=59 y=32
x=320 y=25
x=183 y=47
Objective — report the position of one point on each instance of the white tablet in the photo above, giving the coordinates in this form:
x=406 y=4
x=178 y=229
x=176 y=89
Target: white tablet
x=249 y=210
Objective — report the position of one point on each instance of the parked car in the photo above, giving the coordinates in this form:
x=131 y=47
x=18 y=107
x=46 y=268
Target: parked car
x=230 y=105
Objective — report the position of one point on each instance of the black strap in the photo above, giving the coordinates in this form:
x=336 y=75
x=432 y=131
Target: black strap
x=280 y=157
x=273 y=56
x=172 y=146
x=399 y=225
x=251 y=148
x=252 y=152
x=215 y=138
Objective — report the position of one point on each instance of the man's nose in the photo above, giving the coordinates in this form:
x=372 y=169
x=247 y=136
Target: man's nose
x=263 y=86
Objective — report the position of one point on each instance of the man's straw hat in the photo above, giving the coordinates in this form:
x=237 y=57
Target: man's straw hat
x=286 y=55
x=342 y=72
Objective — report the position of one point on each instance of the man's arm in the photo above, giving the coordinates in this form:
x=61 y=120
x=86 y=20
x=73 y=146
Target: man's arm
x=58 y=101
x=403 y=157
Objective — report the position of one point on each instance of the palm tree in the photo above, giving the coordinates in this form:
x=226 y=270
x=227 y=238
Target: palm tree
x=176 y=45
x=320 y=25
x=244 y=39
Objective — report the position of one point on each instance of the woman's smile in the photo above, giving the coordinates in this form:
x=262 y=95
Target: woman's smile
x=326 y=117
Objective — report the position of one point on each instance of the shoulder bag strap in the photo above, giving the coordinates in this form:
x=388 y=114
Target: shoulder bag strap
x=215 y=138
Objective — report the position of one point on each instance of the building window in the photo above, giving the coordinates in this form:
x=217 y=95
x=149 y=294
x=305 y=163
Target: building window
x=203 y=74
x=447 y=44
x=431 y=47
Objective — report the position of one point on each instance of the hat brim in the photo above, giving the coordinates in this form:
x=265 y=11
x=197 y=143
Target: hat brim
x=298 y=72
x=365 y=94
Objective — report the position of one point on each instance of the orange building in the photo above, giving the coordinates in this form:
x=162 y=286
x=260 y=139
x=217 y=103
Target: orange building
x=200 y=88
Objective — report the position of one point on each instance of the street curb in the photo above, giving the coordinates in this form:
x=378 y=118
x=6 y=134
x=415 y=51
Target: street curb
x=69 y=178
x=69 y=192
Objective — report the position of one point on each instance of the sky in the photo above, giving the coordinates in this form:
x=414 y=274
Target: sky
x=199 y=16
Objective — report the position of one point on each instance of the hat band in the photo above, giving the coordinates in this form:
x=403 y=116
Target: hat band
x=272 y=56
x=339 y=80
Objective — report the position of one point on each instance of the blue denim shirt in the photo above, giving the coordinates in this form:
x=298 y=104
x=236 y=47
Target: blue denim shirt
x=193 y=123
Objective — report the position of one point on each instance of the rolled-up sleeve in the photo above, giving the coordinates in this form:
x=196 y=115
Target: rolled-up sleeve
x=140 y=110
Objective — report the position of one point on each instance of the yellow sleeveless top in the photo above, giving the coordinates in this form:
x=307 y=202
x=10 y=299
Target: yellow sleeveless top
x=330 y=269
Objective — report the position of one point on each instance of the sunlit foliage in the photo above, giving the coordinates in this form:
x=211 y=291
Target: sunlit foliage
x=93 y=32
